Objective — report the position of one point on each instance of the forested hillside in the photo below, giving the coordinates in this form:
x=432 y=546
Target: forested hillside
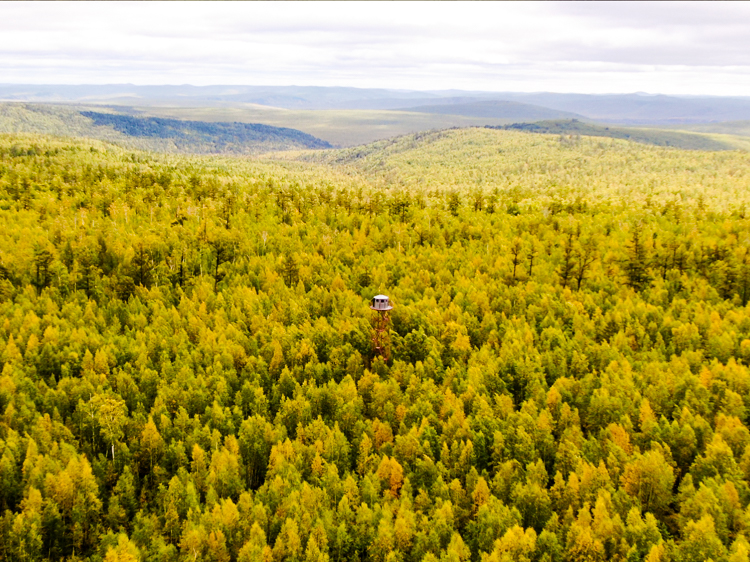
x=187 y=373
x=153 y=133
x=678 y=139
x=199 y=136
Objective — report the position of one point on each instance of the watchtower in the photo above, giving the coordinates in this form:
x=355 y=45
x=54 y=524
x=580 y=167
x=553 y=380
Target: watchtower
x=381 y=340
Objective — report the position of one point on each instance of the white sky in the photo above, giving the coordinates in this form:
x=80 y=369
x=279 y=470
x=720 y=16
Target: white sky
x=595 y=47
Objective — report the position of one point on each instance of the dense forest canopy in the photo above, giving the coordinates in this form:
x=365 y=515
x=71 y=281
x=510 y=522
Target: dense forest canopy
x=186 y=369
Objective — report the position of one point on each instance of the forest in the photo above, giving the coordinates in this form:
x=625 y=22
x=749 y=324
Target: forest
x=187 y=372
x=221 y=135
x=678 y=139
x=135 y=131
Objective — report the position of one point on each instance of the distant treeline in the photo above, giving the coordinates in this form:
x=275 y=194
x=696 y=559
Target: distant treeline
x=644 y=136
x=221 y=134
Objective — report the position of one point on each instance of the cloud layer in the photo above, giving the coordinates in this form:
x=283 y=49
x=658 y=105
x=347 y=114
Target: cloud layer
x=666 y=47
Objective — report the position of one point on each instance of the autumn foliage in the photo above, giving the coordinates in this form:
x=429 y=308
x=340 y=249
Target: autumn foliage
x=187 y=373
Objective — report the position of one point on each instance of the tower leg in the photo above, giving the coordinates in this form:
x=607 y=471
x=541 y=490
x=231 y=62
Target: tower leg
x=381 y=340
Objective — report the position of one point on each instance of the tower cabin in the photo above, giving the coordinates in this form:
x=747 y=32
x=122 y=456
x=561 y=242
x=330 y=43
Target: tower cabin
x=380 y=302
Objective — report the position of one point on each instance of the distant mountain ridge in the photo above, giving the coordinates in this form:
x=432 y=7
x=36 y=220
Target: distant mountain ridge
x=497 y=109
x=287 y=97
x=636 y=108
x=644 y=109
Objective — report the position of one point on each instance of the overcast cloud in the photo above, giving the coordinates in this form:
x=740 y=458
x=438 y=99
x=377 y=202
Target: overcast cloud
x=597 y=47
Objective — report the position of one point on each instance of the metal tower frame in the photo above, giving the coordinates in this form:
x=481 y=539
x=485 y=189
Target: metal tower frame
x=381 y=338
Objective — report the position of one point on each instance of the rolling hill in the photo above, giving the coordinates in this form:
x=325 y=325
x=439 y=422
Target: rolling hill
x=153 y=133
x=539 y=166
x=216 y=137
x=340 y=127
x=658 y=137
x=253 y=129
